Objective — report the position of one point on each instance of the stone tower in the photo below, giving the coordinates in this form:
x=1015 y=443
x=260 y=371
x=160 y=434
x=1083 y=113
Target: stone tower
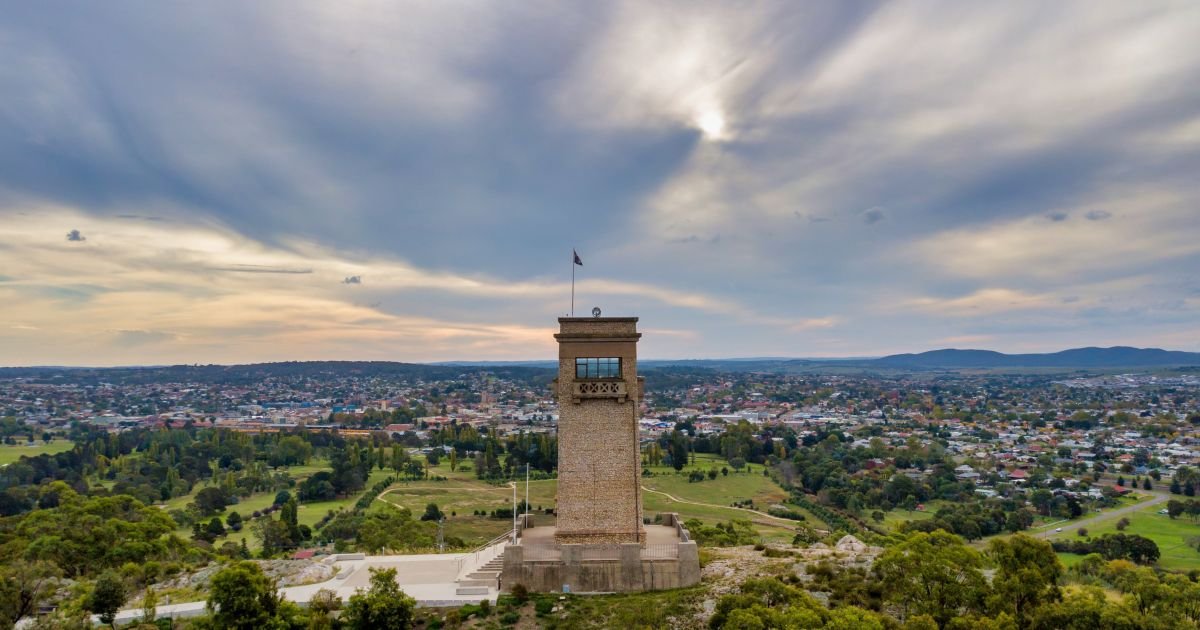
x=599 y=459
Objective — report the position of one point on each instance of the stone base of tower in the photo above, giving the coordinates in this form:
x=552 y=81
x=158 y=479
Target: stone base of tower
x=599 y=538
x=664 y=557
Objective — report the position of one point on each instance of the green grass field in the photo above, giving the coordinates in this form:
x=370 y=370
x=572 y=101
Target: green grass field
x=10 y=454
x=462 y=494
x=1170 y=535
x=719 y=494
x=308 y=514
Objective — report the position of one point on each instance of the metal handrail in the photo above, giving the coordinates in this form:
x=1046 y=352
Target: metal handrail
x=480 y=549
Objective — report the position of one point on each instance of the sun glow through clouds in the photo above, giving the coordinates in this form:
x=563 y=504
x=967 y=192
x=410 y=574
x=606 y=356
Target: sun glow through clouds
x=711 y=124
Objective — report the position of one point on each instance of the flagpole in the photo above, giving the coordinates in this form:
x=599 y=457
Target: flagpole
x=572 y=283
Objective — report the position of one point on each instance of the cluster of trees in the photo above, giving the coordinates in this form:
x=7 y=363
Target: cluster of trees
x=243 y=598
x=1185 y=481
x=503 y=459
x=1132 y=547
x=1191 y=507
x=389 y=528
x=936 y=581
x=728 y=534
x=158 y=464
x=976 y=520
x=82 y=536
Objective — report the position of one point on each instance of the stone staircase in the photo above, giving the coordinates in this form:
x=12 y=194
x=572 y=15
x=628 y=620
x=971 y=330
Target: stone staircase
x=482 y=580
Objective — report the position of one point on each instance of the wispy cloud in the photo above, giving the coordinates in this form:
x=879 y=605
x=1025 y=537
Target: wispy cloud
x=778 y=171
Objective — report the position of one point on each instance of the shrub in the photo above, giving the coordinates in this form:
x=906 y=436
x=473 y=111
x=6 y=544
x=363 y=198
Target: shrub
x=1082 y=531
x=520 y=594
x=543 y=607
x=510 y=618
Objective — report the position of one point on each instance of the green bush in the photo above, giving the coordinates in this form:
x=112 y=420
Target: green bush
x=510 y=618
x=543 y=607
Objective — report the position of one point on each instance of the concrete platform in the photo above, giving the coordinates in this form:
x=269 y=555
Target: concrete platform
x=431 y=579
x=655 y=534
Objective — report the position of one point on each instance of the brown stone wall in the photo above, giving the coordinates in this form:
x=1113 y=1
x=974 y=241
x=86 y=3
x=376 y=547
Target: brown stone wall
x=599 y=459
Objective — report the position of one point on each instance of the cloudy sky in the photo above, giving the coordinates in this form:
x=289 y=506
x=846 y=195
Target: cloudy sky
x=252 y=181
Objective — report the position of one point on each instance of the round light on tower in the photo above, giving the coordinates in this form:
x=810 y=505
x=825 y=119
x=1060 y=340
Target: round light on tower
x=595 y=311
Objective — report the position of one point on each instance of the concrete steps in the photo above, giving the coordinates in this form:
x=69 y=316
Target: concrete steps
x=482 y=580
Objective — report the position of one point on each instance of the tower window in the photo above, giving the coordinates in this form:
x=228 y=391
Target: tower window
x=598 y=367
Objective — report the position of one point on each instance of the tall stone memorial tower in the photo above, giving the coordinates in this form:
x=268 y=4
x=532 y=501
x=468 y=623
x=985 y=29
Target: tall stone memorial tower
x=599 y=460
x=598 y=543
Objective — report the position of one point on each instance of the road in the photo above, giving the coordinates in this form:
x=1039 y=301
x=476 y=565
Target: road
x=1155 y=499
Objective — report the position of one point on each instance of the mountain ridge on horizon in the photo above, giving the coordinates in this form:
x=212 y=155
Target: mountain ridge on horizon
x=945 y=358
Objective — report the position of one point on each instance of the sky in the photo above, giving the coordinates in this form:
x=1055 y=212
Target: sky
x=232 y=182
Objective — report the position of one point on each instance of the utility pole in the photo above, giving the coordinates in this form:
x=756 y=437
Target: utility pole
x=514 y=529
x=441 y=539
x=527 y=488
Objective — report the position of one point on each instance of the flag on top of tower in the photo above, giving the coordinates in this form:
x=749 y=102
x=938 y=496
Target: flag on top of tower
x=578 y=261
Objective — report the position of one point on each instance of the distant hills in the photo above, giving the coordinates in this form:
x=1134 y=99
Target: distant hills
x=948 y=359
x=1115 y=357
x=536 y=371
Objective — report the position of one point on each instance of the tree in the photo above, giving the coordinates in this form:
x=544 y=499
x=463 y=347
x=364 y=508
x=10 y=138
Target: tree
x=211 y=500
x=1174 y=508
x=149 y=606
x=323 y=604
x=432 y=513
x=289 y=515
x=678 y=450
x=107 y=596
x=1027 y=574
x=934 y=574
x=23 y=587
x=282 y=497
x=234 y=521
x=272 y=534
x=1122 y=523
x=242 y=598
x=383 y=607
x=214 y=528
x=318 y=487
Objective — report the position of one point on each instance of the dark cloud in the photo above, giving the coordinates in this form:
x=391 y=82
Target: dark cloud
x=75 y=237
x=352 y=280
x=873 y=215
x=261 y=269
x=140 y=217
x=1057 y=216
x=696 y=238
x=1098 y=215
